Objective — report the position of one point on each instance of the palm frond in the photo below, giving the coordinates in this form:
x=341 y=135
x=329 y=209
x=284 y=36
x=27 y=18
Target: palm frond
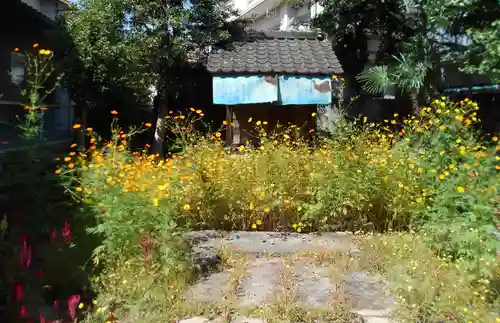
x=377 y=79
x=408 y=73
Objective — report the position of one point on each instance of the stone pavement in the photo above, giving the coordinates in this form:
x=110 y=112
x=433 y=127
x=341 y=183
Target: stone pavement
x=313 y=286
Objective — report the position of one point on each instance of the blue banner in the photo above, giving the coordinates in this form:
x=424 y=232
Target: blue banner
x=232 y=90
x=305 y=90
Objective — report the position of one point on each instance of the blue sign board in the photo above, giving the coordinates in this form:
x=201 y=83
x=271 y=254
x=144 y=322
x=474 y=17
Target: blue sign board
x=305 y=90
x=232 y=90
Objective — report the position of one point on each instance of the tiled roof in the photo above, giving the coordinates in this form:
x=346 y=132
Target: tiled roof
x=276 y=52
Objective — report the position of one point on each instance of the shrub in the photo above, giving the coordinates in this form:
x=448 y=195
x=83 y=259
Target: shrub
x=458 y=176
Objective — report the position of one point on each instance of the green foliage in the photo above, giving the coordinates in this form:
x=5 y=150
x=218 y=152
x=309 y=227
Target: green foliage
x=484 y=53
x=459 y=179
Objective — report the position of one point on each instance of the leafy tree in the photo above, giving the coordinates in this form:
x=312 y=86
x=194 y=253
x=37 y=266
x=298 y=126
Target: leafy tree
x=352 y=23
x=176 y=33
x=131 y=48
x=422 y=34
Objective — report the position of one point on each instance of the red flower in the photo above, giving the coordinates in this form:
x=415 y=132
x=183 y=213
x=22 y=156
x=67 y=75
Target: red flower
x=73 y=302
x=23 y=312
x=42 y=318
x=40 y=273
x=66 y=232
x=18 y=292
x=25 y=255
x=56 y=306
x=53 y=235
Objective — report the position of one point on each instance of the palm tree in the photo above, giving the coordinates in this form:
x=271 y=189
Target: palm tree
x=406 y=74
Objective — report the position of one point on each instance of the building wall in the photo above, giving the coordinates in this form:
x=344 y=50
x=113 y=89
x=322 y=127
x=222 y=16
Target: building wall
x=271 y=14
x=50 y=8
x=298 y=115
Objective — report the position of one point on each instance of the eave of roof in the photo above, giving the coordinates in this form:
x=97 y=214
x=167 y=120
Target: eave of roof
x=266 y=52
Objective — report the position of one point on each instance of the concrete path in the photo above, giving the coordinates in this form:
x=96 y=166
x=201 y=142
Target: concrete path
x=279 y=268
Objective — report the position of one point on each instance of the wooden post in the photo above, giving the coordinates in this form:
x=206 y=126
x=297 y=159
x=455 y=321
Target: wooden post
x=229 y=129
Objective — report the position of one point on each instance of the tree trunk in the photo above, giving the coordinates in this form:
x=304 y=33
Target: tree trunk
x=81 y=139
x=415 y=108
x=159 y=136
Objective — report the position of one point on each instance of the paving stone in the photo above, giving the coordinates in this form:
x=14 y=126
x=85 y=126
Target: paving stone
x=209 y=289
x=260 y=285
x=377 y=320
x=367 y=292
x=313 y=283
x=285 y=242
x=374 y=313
x=195 y=319
x=244 y=319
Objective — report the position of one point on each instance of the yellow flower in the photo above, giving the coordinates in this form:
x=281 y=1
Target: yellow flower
x=198 y=111
x=495 y=138
x=299 y=229
x=267 y=210
x=313 y=114
x=156 y=202
x=4 y=225
x=459 y=118
x=259 y=222
x=241 y=148
x=460 y=189
x=80 y=306
x=218 y=134
x=441 y=177
x=250 y=119
x=442 y=128
x=254 y=226
x=258 y=123
x=186 y=207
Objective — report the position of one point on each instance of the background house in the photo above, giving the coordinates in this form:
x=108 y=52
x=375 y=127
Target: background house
x=23 y=23
x=276 y=15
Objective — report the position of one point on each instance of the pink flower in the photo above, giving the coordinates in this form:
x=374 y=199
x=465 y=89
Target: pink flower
x=42 y=318
x=66 y=232
x=18 y=292
x=73 y=301
x=23 y=312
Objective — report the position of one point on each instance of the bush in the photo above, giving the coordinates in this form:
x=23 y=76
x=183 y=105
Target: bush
x=458 y=204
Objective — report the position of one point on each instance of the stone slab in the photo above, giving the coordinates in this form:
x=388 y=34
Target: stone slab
x=276 y=243
x=367 y=292
x=209 y=289
x=260 y=284
x=314 y=288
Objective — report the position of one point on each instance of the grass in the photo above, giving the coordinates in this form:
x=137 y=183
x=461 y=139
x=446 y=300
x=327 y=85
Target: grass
x=425 y=286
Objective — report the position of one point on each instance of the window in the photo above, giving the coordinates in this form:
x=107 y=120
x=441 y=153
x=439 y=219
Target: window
x=17 y=68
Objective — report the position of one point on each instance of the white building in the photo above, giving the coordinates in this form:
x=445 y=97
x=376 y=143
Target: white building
x=275 y=15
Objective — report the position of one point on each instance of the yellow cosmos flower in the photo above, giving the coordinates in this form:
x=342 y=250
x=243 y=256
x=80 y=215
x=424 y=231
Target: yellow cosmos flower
x=186 y=207
x=460 y=189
